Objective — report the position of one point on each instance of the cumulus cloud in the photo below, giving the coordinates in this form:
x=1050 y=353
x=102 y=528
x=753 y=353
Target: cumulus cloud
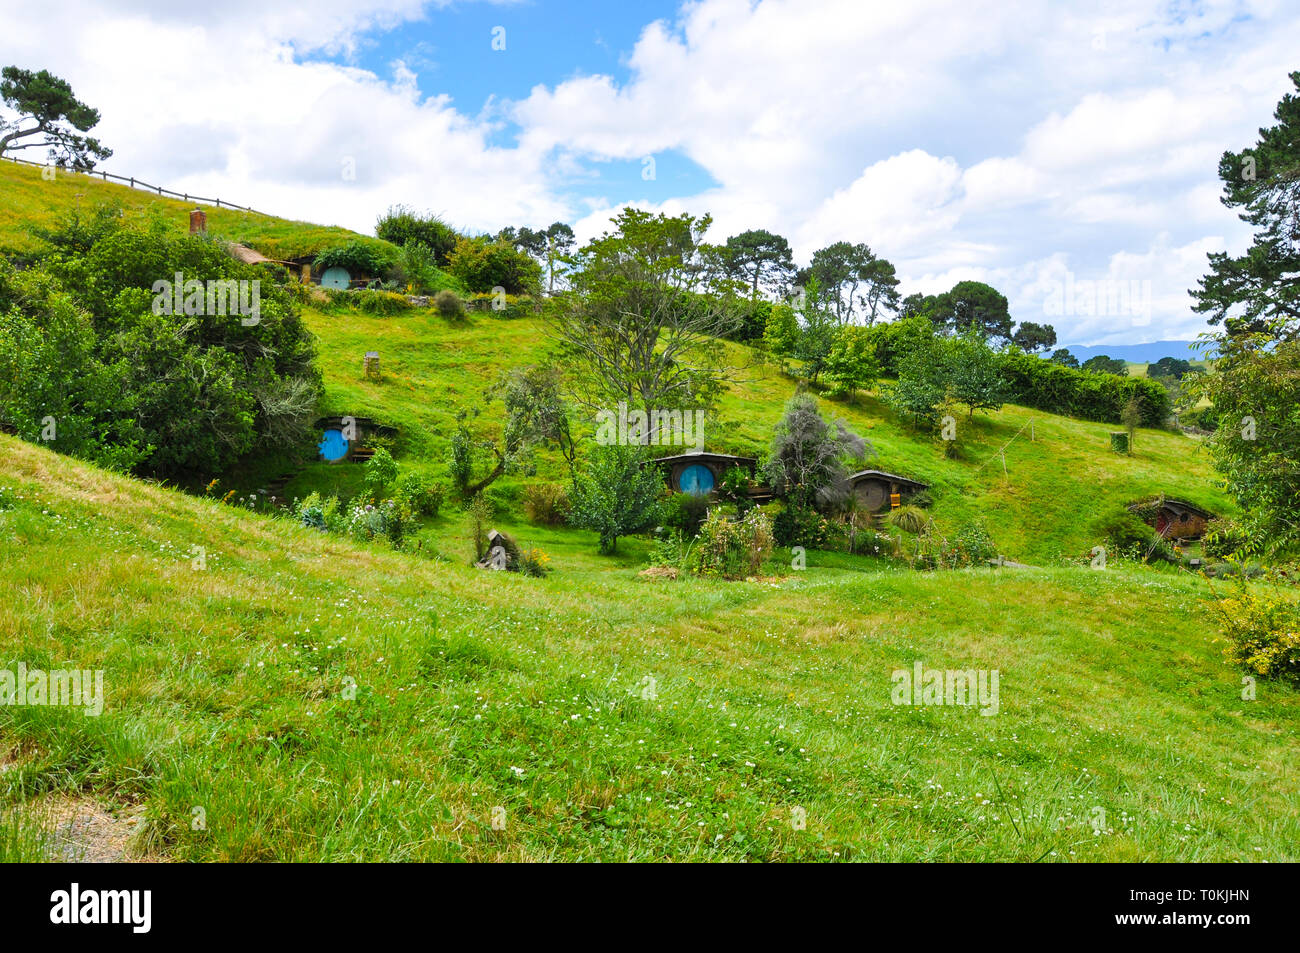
x=961 y=140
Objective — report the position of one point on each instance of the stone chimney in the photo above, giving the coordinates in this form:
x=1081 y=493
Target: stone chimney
x=198 y=222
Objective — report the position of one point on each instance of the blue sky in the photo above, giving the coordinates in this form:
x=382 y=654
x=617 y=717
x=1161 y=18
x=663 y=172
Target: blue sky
x=1035 y=146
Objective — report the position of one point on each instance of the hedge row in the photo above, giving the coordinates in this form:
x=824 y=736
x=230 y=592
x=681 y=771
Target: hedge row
x=1055 y=388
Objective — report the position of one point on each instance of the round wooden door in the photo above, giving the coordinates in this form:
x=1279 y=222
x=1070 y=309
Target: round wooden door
x=872 y=494
x=697 y=480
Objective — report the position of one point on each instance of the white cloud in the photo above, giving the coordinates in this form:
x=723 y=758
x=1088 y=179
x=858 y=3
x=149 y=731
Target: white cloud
x=960 y=140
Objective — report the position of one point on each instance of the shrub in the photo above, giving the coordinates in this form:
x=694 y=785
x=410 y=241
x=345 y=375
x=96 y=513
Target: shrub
x=732 y=549
x=1262 y=632
x=448 y=305
x=482 y=265
x=546 y=504
x=116 y=383
x=460 y=459
x=534 y=561
x=616 y=494
x=402 y=225
x=1055 y=388
x=480 y=515
x=670 y=548
x=391 y=520
x=973 y=545
x=1222 y=538
x=685 y=512
x=803 y=526
x=380 y=474
x=358 y=257
x=423 y=496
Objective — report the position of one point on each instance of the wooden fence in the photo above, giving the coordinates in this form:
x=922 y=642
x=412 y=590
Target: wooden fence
x=137 y=184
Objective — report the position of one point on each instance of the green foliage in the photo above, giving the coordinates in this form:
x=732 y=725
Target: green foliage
x=1257 y=292
x=359 y=257
x=1101 y=364
x=46 y=107
x=645 y=314
x=1255 y=391
x=460 y=458
x=851 y=364
x=419 y=493
x=974 y=544
x=616 y=494
x=806 y=463
x=481 y=514
x=402 y=226
x=483 y=265
x=971 y=305
x=547 y=504
x=1033 y=337
x=684 y=512
x=762 y=260
x=370 y=300
x=1262 y=631
x=781 y=332
x=388 y=519
x=921 y=390
x=732 y=549
x=381 y=473
x=448 y=305
x=974 y=372
x=803 y=526
x=734 y=487
x=138 y=386
x=1057 y=389
x=852 y=283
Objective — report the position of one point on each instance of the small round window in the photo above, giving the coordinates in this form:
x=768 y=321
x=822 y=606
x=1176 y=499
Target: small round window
x=697 y=480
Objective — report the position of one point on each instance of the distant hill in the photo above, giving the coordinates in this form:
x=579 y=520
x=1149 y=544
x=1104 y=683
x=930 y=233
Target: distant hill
x=1138 y=353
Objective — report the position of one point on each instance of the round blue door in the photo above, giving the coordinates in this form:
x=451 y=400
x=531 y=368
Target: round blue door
x=697 y=480
x=333 y=445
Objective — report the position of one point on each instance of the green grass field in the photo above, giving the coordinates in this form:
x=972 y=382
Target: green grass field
x=272 y=693
x=227 y=691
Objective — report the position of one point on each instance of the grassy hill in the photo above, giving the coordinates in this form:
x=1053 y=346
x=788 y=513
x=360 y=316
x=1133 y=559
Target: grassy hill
x=227 y=691
x=311 y=698
x=27 y=200
x=1039 y=508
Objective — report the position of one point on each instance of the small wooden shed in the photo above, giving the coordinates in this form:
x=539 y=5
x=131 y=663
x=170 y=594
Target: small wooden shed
x=698 y=473
x=1173 y=519
x=876 y=489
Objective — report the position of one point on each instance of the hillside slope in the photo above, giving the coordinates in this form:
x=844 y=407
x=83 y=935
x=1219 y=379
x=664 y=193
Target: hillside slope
x=1040 y=506
x=27 y=200
x=607 y=717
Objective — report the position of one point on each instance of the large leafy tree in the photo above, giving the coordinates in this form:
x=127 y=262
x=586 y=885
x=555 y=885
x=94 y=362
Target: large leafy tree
x=851 y=364
x=1032 y=337
x=645 y=314
x=1254 y=383
x=972 y=305
x=1259 y=291
x=854 y=282
x=1104 y=364
x=761 y=259
x=550 y=247
x=49 y=116
x=975 y=373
